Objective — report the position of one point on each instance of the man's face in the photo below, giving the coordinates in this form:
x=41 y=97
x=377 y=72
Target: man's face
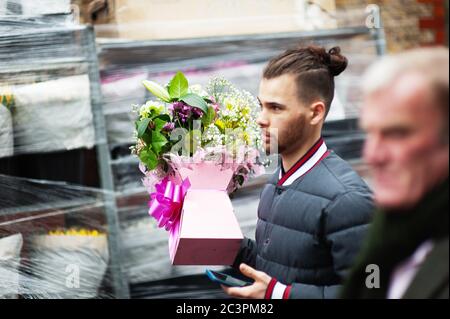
x=283 y=117
x=404 y=145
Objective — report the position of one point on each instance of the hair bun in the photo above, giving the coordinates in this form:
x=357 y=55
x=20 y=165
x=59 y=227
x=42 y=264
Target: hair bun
x=338 y=63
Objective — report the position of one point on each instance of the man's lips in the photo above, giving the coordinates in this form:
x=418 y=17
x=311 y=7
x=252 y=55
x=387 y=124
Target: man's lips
x=268 y=136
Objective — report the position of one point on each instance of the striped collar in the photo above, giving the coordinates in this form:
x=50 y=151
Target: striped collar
x=312 y=157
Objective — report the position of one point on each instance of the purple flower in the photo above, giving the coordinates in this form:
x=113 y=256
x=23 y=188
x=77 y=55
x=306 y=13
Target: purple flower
x=196 y=113
x=168 y=127
x=183 y=112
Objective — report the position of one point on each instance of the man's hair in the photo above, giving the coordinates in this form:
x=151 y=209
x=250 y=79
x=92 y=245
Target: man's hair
x=314 y=69
x=431 y=63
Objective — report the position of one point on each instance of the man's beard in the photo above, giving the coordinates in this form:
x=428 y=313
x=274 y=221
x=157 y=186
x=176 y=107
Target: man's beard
x=292 y=137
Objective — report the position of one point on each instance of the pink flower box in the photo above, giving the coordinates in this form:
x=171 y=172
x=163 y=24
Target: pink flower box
x=208 y=232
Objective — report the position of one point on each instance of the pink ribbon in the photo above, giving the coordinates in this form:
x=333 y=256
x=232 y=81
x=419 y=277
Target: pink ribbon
x=166 y=203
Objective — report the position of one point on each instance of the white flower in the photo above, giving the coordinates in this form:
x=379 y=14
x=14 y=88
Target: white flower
x=149 y=106
x=197 y=89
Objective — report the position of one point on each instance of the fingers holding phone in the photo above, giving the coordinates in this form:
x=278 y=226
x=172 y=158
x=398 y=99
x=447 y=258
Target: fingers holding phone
x=255 y=290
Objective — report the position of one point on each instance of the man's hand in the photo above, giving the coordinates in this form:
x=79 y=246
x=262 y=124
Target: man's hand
x=256 y=291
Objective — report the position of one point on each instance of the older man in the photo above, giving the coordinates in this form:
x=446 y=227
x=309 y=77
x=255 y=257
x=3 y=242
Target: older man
x=405 y=115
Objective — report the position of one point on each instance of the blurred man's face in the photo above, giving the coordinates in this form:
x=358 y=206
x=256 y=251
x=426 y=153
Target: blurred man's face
x=404 y=143
x=283 y=116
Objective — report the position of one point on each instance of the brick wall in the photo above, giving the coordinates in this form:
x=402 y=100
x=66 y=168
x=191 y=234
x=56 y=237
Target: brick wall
x=408 y=23
x=434 y=24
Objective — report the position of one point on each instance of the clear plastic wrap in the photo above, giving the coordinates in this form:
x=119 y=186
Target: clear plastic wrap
x=6 y=132
x=34 y=8
x=53 y=240
x=50 y=84
x=59 y=120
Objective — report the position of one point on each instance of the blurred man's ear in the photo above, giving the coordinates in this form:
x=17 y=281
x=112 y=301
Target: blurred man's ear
x=317 y=112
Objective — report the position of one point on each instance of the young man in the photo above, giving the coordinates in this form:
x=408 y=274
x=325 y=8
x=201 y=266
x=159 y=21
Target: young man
x=314 y=211
x=405 y=115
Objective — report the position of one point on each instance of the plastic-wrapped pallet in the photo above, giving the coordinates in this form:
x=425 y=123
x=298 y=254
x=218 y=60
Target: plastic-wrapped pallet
x=53 y=115
x=33 y=8
x=46 y=68
x=53 y=240
x=10 y=248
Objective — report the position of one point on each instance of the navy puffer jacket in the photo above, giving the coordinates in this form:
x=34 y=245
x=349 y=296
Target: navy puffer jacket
x=308 y=233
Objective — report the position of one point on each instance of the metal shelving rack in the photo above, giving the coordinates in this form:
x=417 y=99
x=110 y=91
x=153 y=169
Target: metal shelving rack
x=118 y=274
x=84 y=37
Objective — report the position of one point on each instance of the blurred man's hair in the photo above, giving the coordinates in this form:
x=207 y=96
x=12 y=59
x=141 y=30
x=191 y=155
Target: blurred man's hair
x=431 y=63
x=314 y=69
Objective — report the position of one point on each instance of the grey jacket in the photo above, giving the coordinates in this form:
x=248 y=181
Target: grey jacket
x=309 y=232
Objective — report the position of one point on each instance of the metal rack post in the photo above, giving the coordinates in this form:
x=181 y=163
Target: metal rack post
x=118 y=274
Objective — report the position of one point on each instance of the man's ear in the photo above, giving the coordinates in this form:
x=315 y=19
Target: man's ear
x=317 y=112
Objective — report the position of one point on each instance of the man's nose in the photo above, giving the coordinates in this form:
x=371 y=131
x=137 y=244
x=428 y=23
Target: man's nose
x=262 y=120
x=374 y=152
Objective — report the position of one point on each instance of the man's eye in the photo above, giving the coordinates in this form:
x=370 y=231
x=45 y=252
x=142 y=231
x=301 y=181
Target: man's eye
x=397 y=133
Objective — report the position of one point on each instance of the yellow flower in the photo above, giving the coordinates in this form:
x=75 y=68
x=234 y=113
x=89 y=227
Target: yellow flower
x=220 y=124
x=246 y=112
x=75 y=232
x=6 y=97
x=229 y=104
x=246 y=138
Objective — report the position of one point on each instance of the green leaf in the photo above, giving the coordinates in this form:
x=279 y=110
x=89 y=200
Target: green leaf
x=159 y=124
x=178 y=86
x=158 y=141
x=195 y=100
x=149 y=158
x=164 y=117
x=209 y=116
x=147 y=138
x=142 y=126
x=157 y=90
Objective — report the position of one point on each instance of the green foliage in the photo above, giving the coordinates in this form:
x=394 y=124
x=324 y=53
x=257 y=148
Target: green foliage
x=178 y=86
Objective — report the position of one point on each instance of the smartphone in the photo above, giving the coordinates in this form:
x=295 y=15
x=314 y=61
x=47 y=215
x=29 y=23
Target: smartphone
x=225 y=279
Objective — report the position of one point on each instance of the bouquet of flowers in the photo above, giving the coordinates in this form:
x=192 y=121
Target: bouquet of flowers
x=195 y=124
x=196 y=145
